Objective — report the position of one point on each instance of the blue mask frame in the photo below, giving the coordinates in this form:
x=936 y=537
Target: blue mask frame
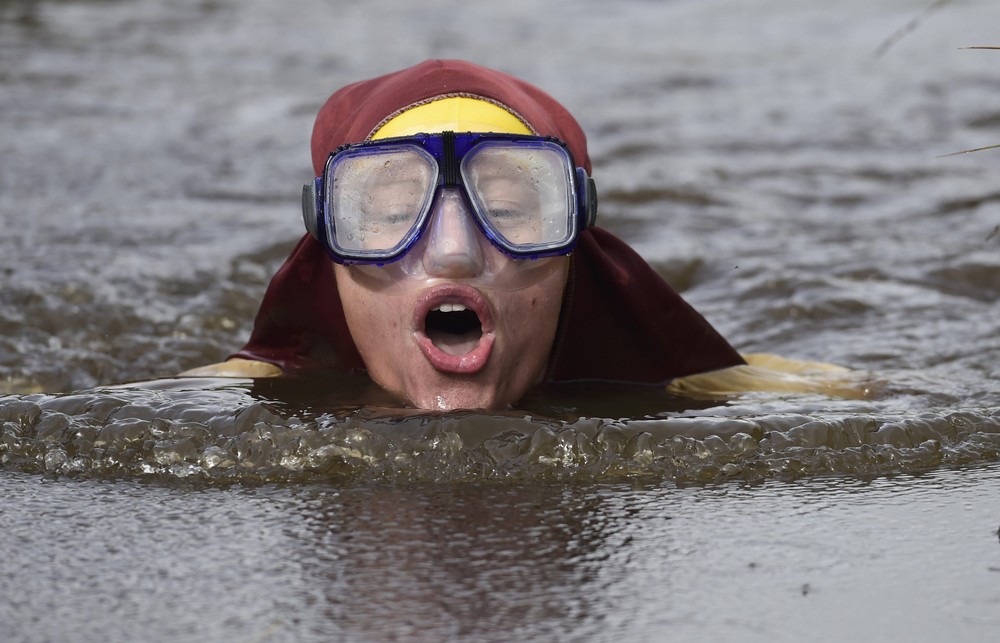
x=447 y=149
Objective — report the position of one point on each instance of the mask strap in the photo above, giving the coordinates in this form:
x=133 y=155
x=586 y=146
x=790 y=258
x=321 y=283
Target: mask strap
x=311 y=207
x=586 y=199
x=449 y=164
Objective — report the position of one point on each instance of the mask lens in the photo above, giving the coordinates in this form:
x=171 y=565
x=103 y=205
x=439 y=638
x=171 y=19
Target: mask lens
x=523 y=193
x=377 y=199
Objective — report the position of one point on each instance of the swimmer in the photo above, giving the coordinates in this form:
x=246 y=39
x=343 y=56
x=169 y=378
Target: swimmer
x=452 y=253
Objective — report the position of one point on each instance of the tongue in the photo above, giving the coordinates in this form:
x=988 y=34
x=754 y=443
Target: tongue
x=454 y=343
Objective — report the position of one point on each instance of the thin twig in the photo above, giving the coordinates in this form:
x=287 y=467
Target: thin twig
x=909 y=27
x=978 y=149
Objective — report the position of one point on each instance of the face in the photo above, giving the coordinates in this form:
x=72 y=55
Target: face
x=455 y=323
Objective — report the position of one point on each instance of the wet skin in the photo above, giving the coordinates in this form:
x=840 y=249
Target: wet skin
x=456 y=323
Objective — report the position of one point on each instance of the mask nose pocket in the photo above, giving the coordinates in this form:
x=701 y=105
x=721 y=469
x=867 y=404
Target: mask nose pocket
x=453 y=246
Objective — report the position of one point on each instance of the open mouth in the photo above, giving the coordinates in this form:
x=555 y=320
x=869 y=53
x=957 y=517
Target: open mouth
x=454 y=328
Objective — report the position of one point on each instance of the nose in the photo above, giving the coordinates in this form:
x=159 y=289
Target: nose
x=453 y=240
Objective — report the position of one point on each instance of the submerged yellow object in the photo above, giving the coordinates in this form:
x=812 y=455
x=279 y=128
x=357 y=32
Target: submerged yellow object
x=236 y=367
x=767 y=373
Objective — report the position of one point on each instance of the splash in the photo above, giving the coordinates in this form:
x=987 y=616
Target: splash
x=230 y=434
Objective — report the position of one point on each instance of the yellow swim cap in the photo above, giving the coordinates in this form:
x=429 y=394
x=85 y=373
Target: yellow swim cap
x=452 y=113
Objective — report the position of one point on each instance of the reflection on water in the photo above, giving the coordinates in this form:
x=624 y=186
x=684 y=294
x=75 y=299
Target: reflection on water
x=509 y=552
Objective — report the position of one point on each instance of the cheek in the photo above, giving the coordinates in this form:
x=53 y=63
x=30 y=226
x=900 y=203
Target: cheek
x=371 y=317
x=534 y=316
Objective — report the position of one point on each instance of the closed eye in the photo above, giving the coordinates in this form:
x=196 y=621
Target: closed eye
x=395 y=218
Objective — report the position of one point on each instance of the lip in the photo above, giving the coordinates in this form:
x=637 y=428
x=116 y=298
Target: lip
x=466 y=364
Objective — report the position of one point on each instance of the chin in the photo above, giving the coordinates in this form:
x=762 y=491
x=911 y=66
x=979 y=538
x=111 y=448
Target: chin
x=449 y=394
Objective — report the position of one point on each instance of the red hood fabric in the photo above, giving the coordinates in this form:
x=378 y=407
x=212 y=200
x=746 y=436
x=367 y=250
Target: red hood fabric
x=620 y=320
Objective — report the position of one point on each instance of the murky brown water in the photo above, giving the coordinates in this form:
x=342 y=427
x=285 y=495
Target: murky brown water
x=759 y=152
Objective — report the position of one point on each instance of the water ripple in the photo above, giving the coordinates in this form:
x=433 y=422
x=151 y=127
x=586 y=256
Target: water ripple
x=227 y=434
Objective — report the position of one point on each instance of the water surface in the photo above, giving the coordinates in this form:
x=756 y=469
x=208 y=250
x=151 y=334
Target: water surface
x=778 y=168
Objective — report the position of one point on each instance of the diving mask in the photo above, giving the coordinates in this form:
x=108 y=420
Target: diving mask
x=374 y=200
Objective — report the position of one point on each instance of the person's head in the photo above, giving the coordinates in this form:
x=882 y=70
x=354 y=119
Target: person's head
x=449 y=218
x=613 y=318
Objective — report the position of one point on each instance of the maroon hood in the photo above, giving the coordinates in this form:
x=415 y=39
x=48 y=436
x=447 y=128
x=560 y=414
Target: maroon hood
x=620 y=320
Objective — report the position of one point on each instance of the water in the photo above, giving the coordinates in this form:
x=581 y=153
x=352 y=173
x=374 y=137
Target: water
x=822 y=559
x=762 y=154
